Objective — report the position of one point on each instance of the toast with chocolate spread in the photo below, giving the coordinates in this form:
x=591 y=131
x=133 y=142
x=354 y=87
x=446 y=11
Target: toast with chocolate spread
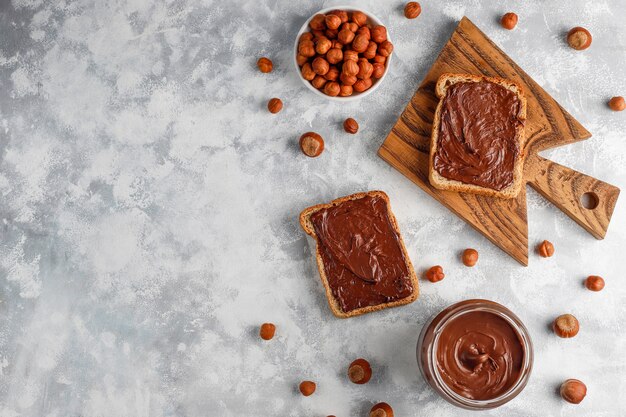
x=477 y=142
x=361 y=258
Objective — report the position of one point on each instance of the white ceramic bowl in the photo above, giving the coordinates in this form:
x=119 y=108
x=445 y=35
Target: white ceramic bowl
x=305 y=28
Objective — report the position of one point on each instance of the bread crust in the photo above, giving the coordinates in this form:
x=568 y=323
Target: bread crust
x=307 y=226
x=442 y=183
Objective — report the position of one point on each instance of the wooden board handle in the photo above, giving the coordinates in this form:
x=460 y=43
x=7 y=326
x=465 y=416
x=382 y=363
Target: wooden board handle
x=588 y=201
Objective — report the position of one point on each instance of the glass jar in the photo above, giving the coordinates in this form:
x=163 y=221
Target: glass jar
x=427 y=348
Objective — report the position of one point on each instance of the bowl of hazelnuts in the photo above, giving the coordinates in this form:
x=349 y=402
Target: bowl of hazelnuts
x=342 y=53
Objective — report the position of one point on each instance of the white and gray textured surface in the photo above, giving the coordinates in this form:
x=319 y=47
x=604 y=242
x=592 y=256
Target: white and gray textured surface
x=149 y=203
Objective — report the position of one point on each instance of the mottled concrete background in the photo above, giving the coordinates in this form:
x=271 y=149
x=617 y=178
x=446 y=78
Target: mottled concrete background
x=149 y=203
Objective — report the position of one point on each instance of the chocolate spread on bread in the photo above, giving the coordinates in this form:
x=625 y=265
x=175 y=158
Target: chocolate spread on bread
x=361 y=252
x=477 y=141
x=479 y=355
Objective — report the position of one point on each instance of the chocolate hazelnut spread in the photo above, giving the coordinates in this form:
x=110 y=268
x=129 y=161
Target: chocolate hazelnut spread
x=477 y=141
x=479 y=355
x=361 y=252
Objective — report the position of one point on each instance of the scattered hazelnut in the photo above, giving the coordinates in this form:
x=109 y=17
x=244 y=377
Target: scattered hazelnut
x=545 y=249
x=350 y=125
x=617 y=103
x=381 y=410
x=379 y=34
x=320 y=66
x=332 y=74
x=435 y=274
x=379 y=70
x=360 y=43
x=306 y=48
x=508 y=21
x=318 y=22
x=470 y=257
x=322 y=45
x=332 y=21
x=347 y=79
x=573 y=391
x=579 y=38
x=307 y=72
x=343 y=15
x=275 y=105
x=346 y=90
x=265 y=65
x=332 y=89
x=267 y=331
x=319 y=81
x=334 y=55
x=359 y=18
x=307 y=388
x=360 y=371
x=412 y=10
x=594 y=283
x=566 y=326
x=362 y=85
x=350 y=67
x=345 y=36
x=385 y=49
x=311 y=144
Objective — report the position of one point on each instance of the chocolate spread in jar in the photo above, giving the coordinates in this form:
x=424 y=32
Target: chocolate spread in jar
x=361 y=253
x=477 y=141
x=479 y=355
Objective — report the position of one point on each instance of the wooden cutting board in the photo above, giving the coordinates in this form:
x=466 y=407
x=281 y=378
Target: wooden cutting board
x=548 y=125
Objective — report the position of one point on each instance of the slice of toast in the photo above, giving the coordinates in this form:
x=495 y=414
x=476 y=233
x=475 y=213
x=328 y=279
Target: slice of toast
x=410 y=279
x=437 y=180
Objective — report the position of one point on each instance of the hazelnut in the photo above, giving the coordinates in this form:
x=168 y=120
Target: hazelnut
x=365 y=31
x=347 y=79
x=306 y=36
x=318 y=82
x=545 y=249
x=350 y=68
x=332 y=89
x=351 y=56
x=301 y=60
x=343 y=15
x=470 y=257
x=318 y=22
x=318 y=33
x=617 y=103
x=380 y=59
x=365 y=69
x=350 y=125
x=307 y=72
x=362 y=85
x=320 y=66
x=306 y=48
x=379 y=70
x=412 y=10
x=353 y=27
x=311 y=144
x=332 y=74
x=379 y=34
x=579 y=38
x=334 y=55
x=594 y=283
x=360 y=43
x=435 y=274
x=508 y=21
x=267 y=331
x=307 y=388
x=337 y=45
x=275 y=105
x=345 y=90
x=359 y=18
x=345 y=36
x=385 y=49
x=370 y=52
x=323 y=45
x=332 y=21
x=381 y=410
x=573 y=391
x=265 y=65
x=332 y=33
x=566 y=326
x=360 y=371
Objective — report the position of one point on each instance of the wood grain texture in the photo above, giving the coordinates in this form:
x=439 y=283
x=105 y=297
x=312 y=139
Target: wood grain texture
x=503 y=222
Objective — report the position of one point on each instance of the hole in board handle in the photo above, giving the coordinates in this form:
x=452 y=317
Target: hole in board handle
x=590 y=200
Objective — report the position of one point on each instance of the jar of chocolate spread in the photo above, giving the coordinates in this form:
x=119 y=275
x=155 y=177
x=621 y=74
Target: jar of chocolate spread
x=476 y=354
